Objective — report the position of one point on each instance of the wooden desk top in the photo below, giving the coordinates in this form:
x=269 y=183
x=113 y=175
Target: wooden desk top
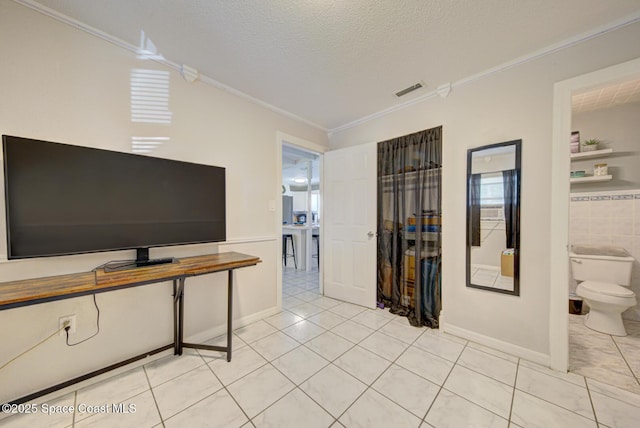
x=38 y=290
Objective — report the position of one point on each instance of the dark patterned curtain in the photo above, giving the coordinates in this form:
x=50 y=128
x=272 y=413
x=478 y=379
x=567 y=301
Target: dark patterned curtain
x=509 y=183
x=474 y=209
x=409 y=222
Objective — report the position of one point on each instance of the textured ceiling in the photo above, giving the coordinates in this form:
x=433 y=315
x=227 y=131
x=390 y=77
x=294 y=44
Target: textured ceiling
x=332 y=62
x=608 y=96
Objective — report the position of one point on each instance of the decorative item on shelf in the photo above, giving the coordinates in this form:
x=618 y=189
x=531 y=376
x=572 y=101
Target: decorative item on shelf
x=590 y=145
x=575 y=142
x=577 y=174
x=600 y=170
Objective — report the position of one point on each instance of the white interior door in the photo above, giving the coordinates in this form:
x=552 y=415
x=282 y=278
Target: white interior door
x=350 y=224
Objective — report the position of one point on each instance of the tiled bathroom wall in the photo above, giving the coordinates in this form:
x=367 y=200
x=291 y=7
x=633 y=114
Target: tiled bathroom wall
x=608 y=218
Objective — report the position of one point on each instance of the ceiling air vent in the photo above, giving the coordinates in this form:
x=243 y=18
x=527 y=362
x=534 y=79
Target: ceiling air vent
x=411 y=88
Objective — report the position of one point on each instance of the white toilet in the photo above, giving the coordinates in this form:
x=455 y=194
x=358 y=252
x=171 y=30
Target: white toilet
x=604 y=273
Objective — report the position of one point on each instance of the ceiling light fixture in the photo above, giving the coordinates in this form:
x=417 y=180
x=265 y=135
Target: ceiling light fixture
x=300 y=180
x=411 y=88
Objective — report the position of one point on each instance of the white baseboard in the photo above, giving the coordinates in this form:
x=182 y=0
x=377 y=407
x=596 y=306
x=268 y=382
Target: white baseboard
x=196 y=338
x=500 y=345
x=222 y=329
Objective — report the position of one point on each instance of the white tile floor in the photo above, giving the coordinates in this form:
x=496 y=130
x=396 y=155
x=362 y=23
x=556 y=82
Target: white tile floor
x=322 y=363
x=609 y=359
x=491 y=277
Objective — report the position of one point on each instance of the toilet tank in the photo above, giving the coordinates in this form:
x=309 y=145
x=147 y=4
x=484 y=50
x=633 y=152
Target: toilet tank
x=600 y=263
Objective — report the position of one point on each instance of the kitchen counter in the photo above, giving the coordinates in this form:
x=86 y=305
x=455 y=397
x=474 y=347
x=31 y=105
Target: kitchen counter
x=302 y=239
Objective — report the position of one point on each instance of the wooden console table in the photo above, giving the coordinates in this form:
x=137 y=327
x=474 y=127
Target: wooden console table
x=28 y=292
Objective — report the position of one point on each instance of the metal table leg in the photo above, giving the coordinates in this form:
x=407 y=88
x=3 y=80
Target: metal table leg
x=229 y=314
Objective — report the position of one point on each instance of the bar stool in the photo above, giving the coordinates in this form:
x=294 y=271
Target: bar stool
x=285 y=255
x=316 y=237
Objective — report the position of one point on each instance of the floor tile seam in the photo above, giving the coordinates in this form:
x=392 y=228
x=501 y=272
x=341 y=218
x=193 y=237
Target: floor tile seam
x=370 y=386
x=153 y=395
x=283 y=397
x=615 y=353
x=306 y=379
x=610 y=396
x=344 y=316
x=137 y=393
x=461 y=364
x=593 y=407
x=328 y=329
x=297 y=386
x=616 y=372
x=93 y=415
x=303 y=319
x=558 y=405
x=307 y=303
x=509 y=421
x=272 y=404
x=371 y=334
x=267 y=362
x=75 y=406
x=513 y=392
x=489 y=353
x=246 y=374
x=625 y=361
x=331 y=361
x=392 y=400
x=436 y=355
x=281 y=355
x=268 y=335
x=226 y=390
x=349 y=340
x=424 y=419
x=195 y=352
x=368 y=326
x=299 y=340
x=537 y=370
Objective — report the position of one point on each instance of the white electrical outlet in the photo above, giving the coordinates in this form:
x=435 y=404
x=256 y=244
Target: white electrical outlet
x=72 y=322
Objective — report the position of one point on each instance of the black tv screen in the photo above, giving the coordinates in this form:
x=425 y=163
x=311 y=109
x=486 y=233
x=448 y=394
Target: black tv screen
x=65 y=199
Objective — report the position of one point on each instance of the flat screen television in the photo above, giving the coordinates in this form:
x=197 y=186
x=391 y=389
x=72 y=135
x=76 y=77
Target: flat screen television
x=65 y=199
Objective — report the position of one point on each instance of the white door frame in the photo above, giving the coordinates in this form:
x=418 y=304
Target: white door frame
x=560 y=167
x=290 y=140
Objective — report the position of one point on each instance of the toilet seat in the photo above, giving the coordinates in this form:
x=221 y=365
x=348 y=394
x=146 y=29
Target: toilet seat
x=606 y=288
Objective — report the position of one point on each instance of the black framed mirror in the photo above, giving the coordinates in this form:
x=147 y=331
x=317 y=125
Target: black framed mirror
x=493 y=217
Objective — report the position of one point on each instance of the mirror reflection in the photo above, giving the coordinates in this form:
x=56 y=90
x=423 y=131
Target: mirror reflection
x=493 y=217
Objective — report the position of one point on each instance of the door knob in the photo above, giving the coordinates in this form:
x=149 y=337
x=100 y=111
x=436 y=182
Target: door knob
x=371 y=234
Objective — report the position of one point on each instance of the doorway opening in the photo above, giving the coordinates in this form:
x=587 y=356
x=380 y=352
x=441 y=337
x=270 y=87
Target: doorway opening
x=561 y=191
x=301 y=218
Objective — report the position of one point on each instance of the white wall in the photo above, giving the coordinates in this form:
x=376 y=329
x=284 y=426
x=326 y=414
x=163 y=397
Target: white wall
x=60 y=84
x=619 y=129
x=511 y=104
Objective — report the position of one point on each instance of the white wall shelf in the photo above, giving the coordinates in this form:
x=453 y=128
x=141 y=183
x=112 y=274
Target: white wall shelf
x=591 y=179
x=591 y=154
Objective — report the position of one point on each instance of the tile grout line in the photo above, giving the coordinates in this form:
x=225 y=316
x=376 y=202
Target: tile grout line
x=153 y=395
x=445 y=381
x=368 y=387
x=513 y=392
x=593 y=407
x=296 y=386
x=555 y=404
x=625 y=360
x=227 y=390
x=75 y=406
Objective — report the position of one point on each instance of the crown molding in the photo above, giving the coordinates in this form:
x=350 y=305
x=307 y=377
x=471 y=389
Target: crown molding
x=160 y=60
x=548 y=50
x=567 y=43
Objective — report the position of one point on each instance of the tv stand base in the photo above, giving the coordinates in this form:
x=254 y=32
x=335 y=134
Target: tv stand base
x=132 y=264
